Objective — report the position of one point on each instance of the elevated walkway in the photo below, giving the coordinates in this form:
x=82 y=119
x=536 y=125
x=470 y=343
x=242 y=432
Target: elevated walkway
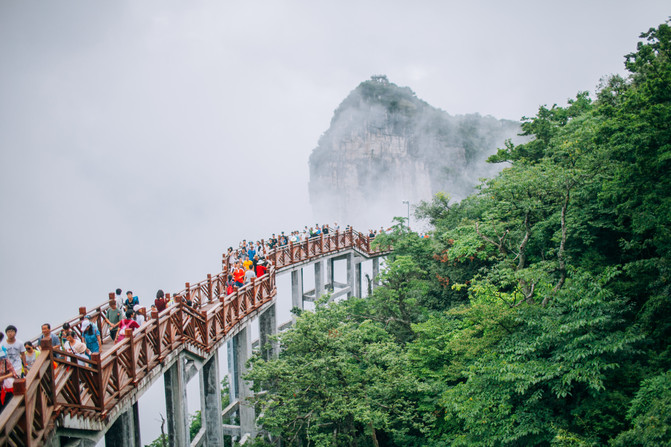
x=68 y=400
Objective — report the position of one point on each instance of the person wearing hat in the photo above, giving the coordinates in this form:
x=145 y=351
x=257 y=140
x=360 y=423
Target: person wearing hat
x=138 y=314
x=91 y=336
x=126 y=323
x=261 y=268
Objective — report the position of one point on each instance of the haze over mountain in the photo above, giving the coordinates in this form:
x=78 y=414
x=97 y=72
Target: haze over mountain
x=385 y=146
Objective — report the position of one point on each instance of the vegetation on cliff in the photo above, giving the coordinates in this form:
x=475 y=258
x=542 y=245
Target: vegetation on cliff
x=380 y=135
x=538 y=312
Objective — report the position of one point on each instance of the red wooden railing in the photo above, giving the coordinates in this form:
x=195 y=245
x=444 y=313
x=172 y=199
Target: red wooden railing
x=62 y=383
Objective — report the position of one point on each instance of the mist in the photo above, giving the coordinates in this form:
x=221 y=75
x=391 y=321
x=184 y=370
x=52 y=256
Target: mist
x=385 y=146
x=138 y=140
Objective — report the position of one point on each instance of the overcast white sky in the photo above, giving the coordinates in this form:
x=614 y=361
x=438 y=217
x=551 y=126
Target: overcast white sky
x=138 y=139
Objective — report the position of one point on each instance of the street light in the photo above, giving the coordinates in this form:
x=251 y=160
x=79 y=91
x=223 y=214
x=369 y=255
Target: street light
x=408 y=203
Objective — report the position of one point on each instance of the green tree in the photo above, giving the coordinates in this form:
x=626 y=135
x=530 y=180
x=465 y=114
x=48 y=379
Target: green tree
x=650 y=415
x=339 y=382
x=541 y=367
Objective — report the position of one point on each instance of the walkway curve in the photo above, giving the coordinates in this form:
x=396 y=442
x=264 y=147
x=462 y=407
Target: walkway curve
x=61 y=385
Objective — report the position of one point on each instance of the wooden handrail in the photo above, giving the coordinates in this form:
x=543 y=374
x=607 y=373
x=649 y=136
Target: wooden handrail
x=60 y=381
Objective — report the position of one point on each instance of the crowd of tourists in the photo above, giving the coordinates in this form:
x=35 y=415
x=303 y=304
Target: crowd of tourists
x=243 y=264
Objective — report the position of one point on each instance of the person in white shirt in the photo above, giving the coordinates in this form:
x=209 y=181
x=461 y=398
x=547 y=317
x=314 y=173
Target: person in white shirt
x=138 y=314
x=15 y=349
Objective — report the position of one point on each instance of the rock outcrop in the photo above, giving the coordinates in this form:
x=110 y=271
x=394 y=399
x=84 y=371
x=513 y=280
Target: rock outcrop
x=384 y=146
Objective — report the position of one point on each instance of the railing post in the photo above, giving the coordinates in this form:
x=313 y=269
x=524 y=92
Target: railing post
x=291 y=252
x=178 y=315
x=209 y=288
x=225 y=309
x=25 y=433
x=206 y=335
x=255 y=291
x=187 y=288
x=47 y=349
x=131 y=348
x=99 y=381
x=157 y=335
x=19 y=387
x=82 y=315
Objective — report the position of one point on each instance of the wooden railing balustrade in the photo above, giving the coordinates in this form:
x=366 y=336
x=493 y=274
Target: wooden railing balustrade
x=61 y=383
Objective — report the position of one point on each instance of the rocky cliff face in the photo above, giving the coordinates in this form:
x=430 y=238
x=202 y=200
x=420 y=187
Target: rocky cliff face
x=384 y=146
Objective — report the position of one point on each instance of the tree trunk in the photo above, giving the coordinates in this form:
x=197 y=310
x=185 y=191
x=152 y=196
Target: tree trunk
x=373 y=435
x=562 y=247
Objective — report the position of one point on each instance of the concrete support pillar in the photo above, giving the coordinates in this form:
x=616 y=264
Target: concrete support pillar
x=210 y=404
x=297 y=288
x=125 y=431
x=268 y=328
x=243 y=347
x=376 y=272
x=357 y=280
x=319 y=280
x=176 y=405
x=329 y=274
x=233 y=386
x=351 y=275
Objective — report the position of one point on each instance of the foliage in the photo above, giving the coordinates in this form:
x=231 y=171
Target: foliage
x=339 y=382
x=650 y=415
x=538 y=310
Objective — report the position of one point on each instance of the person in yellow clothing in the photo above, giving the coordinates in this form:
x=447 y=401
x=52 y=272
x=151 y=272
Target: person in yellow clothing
x=31 y=356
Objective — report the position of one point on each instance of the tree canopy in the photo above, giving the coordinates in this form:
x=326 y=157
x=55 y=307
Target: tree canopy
x=538 y=310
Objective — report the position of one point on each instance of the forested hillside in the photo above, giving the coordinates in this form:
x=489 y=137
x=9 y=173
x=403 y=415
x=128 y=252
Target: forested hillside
x=537 y=313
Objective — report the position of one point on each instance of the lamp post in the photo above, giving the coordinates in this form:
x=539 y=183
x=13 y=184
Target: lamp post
x=407 y=202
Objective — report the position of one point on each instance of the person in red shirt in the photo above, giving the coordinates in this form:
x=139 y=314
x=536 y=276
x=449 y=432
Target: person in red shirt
x=229 y=285
x=238 y=275
x=261 y=268
x=126 y=323
x=160 y=302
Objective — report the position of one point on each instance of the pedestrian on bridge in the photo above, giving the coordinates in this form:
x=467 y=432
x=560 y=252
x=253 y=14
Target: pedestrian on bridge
x=7 y=376
x=160 y=302
x=92 y=337
x=113 y=319
x=14 y=349
x=126 y=323
x=131 y=301
x=46 y=333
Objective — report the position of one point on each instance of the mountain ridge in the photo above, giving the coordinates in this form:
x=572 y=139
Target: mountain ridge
x=385 y=145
